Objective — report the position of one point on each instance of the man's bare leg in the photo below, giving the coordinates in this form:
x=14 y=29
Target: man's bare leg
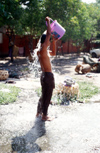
x=39 y=109
x=38 y=114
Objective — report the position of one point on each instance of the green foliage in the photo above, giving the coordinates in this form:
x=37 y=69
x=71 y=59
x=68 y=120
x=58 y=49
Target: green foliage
x=63 y=98
x=94 y=16
x=10 y=12
x=87 y=90
x=32 y=21
x=81 y=20
x=98 y=1
x=8 y=94
x=62 y=11
x=75 y=17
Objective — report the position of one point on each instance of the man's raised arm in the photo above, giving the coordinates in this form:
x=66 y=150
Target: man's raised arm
x=53 y=51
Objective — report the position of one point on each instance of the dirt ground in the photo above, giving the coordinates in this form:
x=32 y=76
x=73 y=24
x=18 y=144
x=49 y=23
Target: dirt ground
x=74 y=129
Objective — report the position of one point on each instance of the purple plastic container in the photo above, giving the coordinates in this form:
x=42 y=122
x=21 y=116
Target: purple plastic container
x=56 y=29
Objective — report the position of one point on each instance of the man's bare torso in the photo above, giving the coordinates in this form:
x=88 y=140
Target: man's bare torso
x=44 y=60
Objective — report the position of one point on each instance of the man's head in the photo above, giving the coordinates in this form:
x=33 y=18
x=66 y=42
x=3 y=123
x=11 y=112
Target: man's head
x=43 y=37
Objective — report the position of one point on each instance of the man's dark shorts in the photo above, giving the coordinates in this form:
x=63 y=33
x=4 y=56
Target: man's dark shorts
x=48 y=84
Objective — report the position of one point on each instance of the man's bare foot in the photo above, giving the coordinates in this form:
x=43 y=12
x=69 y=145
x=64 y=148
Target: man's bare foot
x=46 y=118
x=38 y=114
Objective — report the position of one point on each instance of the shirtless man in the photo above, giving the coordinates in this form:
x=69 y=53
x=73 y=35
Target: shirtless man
x=47 y=78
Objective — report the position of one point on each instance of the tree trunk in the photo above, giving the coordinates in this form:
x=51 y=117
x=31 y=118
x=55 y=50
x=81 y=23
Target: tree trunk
x=31 y=44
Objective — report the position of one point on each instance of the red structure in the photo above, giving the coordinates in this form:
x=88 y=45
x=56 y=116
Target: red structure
x=23 y=41
x=19 y=42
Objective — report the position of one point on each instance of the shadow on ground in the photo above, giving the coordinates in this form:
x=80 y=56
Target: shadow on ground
x=20 y=66
x=63 y=65
x=27 y=143
x=17 y=68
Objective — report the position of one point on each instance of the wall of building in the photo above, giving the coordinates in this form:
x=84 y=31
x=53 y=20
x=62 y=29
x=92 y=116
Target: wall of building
x=4 y=45
x=23 y=41
x=19 y=42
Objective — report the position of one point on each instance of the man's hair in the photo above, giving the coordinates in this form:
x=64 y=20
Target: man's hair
x=43 y=37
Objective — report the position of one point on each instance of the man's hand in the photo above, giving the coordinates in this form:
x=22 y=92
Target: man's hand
x=47 y=19
x=54 y=39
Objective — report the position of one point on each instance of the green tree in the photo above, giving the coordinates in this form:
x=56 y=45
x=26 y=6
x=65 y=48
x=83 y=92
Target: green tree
x=98 y=1
x=94 y=14
x=62 y=11
x=80 y=20
x=10 y=13
x=32 y=21
x=82 y=26
x=73 y=16
x=98 y=17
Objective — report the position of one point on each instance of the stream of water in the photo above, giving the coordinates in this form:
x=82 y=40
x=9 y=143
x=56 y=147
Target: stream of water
x=34 y=67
